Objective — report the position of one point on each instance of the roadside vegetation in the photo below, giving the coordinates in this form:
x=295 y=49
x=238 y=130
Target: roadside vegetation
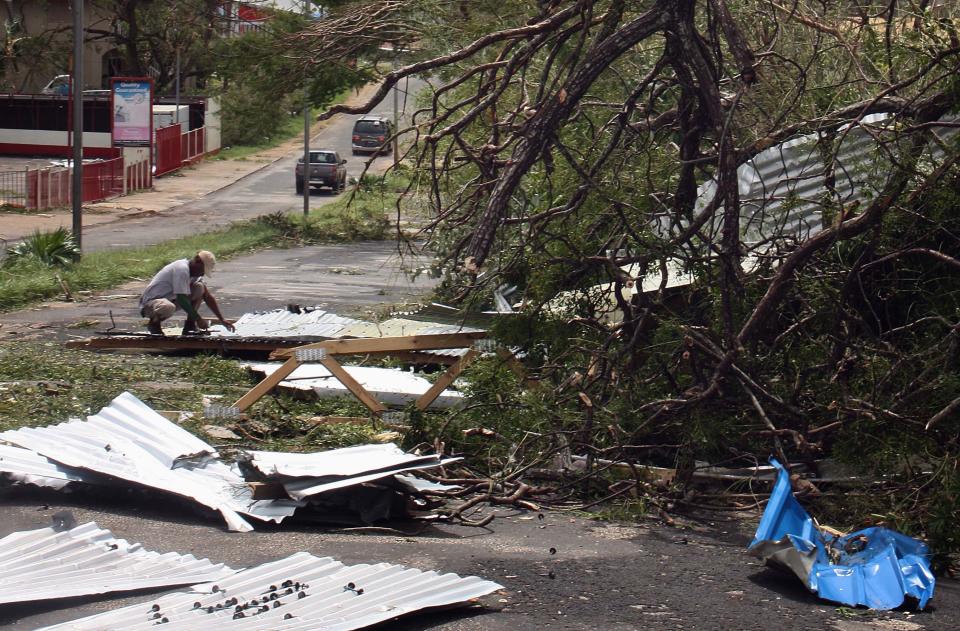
x=39 y=271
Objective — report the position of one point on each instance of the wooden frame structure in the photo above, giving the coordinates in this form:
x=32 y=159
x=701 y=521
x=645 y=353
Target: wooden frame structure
x=326 y=351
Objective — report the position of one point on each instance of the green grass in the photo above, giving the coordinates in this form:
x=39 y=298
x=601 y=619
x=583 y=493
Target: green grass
x=42 y=383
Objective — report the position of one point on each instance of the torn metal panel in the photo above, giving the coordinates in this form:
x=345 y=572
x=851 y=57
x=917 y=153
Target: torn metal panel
x=347 y=461
x=28 y=467
x=126 y=421
x=129 y=441
x=299 y=592
x=307 y=487
x=875 y=567
x=44 y=564
x=310 y=323
x=387 y=385
x=419 y=485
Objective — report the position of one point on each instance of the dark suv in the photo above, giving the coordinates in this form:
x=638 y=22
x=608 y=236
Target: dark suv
x=370 y=133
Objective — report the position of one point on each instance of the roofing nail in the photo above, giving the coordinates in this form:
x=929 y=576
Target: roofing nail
x=301 y=595
x=551 y=575
x=286 y=583
x=553 y=550
x=155 y=607
x=239 y=615
x=197 y=605
x=287 y=616
x=277 y=603
x=273 y=588
x=215 y=589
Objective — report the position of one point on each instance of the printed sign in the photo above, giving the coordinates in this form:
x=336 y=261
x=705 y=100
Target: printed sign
x=132 y=101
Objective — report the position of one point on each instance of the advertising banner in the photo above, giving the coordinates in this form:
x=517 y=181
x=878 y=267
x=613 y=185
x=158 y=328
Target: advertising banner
x=132 y=101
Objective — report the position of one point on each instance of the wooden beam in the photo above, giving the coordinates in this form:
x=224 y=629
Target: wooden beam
x=445 y=380
x=268 y=384
x=181 y=343
x=352 y=385
x=386 y=345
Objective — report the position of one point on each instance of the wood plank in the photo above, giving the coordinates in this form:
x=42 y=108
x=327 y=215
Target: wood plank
x=268 y=384
x=181 y=343
x=352 y=385
x=441 y=384
x=386 y=345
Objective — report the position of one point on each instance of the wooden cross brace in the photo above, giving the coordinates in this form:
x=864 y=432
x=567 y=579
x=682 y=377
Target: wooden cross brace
x=369 y=346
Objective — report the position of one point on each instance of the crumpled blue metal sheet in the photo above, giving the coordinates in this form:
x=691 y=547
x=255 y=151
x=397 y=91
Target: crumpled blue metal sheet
x=875 y=567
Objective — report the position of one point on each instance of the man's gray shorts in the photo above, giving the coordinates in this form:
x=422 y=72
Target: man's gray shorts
x=161 y=308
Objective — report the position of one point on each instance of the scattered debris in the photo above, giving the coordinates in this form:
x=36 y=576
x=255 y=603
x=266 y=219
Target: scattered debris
x=299 y=592
x=304 y=475
x=128 y=442
x=875 y=567
x=220 y=433
x=85 y=560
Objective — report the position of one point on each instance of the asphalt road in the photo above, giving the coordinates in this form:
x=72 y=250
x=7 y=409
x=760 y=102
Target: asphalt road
x=268 y=190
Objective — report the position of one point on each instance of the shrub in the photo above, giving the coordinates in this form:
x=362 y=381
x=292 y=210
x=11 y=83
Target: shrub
x=57 y=248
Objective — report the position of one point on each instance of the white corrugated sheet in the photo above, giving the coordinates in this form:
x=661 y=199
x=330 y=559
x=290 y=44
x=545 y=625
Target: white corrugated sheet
x=783 y=193
x=334 y=597
x=343 y=462
x=28 y=467
x=44 y=564
x=305 y=475
x=129 y=441
x=390 y=386
x=311 y=322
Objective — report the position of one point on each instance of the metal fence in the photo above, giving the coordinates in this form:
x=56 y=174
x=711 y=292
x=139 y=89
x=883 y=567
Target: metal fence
x=174 y=149
x=13 y=188
x=51 y=187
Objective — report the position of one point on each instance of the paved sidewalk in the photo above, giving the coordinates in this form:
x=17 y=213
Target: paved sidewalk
x=171 y=190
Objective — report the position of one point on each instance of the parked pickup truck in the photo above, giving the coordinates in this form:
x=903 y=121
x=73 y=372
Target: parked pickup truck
x=326 y=169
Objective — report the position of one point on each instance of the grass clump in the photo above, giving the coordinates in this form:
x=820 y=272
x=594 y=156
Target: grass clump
x=56 y=248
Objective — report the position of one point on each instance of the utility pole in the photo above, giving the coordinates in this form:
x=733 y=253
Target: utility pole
x=306 y=129
x=77 y=83
x=396 y=107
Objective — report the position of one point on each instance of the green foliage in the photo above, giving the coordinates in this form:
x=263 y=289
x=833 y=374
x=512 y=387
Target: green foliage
x=52 y=249
x=262 y=75
x=249 y=118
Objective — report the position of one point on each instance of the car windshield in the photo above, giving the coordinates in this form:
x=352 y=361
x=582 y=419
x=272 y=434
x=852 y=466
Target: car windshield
x=369 y=127
x=323 y=158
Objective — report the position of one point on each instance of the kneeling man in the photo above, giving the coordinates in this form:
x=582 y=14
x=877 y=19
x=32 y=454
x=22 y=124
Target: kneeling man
x=180 y=285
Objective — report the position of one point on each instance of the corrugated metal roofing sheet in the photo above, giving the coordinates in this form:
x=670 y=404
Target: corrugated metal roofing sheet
x=130 y=441
x=300 y=592
x=390 y=386
x=44 y=564
x=342 y=462
x=28 y=467
x=306 y=487
x=311 y=322
x=314 y=473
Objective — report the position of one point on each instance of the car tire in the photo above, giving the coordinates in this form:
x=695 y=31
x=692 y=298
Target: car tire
x=299 y=187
